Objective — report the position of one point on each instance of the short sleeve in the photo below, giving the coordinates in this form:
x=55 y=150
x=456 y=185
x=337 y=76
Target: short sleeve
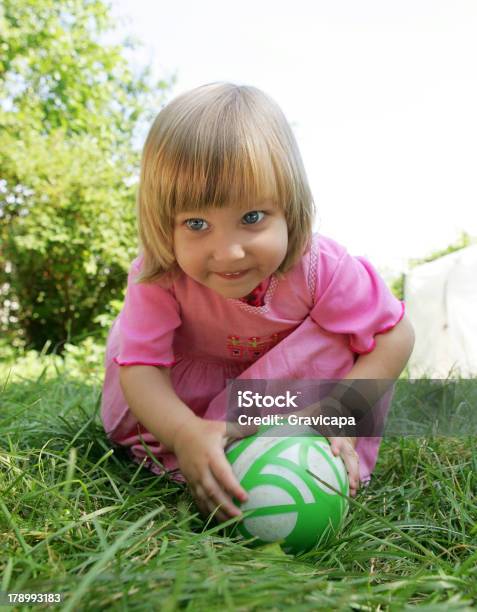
x=352 y=298
x=146 y=323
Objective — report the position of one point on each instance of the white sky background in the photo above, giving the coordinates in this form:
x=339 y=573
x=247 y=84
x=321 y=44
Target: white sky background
x=381 y=94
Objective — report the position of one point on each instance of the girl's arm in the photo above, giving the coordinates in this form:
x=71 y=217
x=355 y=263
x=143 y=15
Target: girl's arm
x=386 y=361
x=151 y=398
x=197 y=443
x=389 y=357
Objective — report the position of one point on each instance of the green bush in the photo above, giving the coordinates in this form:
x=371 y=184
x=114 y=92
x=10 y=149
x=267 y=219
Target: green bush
x=69 y=234
x=70 y=106
x=83 y=362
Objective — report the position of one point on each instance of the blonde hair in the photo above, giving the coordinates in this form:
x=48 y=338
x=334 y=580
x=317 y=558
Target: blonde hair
x=218 y=144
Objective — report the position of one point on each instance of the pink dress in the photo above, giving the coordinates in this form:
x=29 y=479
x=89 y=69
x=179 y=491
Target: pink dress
x=313 y=325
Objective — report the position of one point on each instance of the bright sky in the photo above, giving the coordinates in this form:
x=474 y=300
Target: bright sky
x=381 y=94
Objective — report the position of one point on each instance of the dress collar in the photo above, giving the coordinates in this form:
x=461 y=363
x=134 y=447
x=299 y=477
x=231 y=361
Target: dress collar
x=255 y=297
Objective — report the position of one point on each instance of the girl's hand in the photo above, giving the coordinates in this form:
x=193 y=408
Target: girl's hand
x=199 y=448
x=345 y=447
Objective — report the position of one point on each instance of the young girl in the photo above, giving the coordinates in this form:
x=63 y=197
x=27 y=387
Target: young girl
x=231 y=283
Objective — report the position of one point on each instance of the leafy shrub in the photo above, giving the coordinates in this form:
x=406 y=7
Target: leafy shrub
x=83 y=361
x=69 y=238
x=69 y=109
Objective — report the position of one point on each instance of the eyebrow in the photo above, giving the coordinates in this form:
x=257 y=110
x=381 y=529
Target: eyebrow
x=192 y=214
x=266 y=204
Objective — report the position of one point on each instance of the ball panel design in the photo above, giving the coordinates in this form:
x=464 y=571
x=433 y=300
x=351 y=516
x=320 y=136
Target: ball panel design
x=266 y=495
x=251 y=452
x=320 y=465
x=292 y=453
x=282 y=483
x=295 y=479
x=337 y=465
x=286 y=503
x=271 y=531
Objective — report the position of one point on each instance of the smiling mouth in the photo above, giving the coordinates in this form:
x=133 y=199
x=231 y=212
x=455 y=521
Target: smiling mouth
x=232 y=275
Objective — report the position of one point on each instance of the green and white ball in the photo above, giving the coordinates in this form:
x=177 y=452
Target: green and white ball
x=287 y=504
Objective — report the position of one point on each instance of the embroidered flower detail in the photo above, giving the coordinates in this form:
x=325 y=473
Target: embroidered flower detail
x=234 y=348
x=252 y=347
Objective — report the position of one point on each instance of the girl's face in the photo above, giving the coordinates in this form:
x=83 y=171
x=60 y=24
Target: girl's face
x=229 y=250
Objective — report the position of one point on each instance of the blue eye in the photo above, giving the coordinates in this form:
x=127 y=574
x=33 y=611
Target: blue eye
x=196 y=224
x=253 y=217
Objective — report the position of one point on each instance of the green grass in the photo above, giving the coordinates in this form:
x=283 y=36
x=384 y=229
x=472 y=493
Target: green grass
x=79 y=518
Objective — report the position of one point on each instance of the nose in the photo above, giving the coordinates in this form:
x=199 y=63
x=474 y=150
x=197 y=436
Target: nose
x=228 y=249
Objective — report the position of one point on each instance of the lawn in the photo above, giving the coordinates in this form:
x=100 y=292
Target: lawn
x=80 y=519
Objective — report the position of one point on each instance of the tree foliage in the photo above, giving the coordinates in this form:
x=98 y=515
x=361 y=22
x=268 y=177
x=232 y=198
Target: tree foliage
x=70 y=105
